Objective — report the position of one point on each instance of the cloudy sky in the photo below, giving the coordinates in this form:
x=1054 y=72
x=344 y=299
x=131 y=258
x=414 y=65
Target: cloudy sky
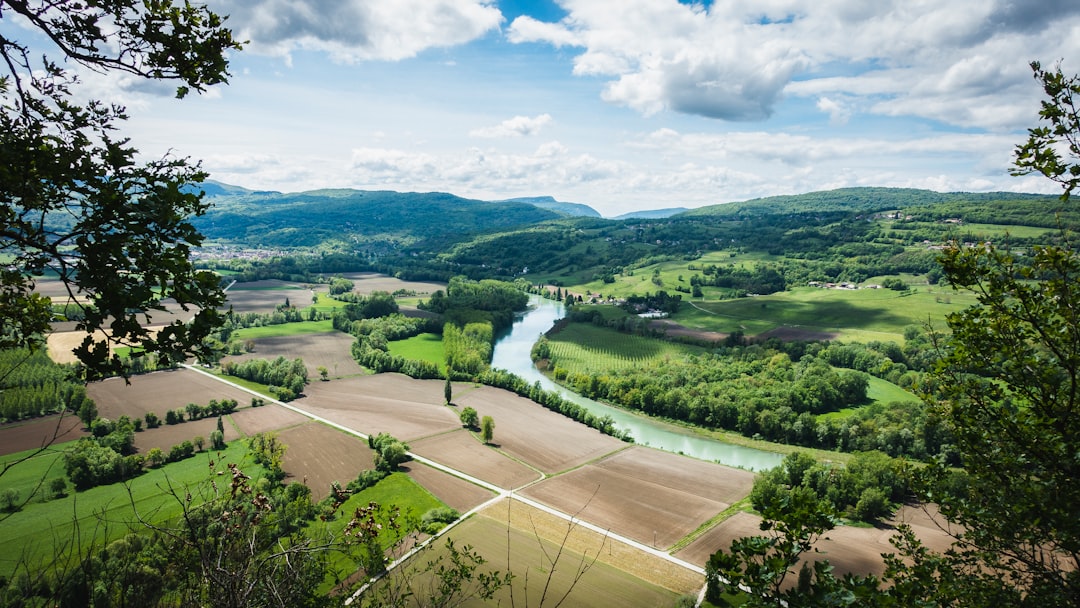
x=619 y=104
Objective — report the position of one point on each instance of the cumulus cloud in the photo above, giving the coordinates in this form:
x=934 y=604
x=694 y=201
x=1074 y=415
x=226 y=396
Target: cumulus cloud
x=518 y=126
x=357 y=30
x=963 y=62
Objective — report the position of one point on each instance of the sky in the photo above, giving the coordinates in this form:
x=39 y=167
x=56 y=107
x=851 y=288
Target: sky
x=622 y=105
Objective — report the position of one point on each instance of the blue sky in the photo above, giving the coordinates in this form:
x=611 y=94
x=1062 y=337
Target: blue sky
x=618 y=104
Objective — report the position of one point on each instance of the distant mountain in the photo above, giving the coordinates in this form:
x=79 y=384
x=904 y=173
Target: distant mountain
x=356 y=217
x=212 y=188
x=652 y=214
x=549 y=203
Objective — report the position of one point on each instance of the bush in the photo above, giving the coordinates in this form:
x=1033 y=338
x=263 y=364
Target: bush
x=435 y=519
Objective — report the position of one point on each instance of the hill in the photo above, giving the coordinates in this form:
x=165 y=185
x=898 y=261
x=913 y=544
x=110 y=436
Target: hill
x=651 y=214
x=549 y=203
x=356 y=218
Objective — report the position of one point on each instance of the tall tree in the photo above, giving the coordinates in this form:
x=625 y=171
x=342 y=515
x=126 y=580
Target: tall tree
x=73 y=200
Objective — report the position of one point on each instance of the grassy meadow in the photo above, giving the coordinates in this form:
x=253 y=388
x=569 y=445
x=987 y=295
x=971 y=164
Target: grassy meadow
x=856 y=315
x=285 y=329
x=424 y=347
x=95 y=516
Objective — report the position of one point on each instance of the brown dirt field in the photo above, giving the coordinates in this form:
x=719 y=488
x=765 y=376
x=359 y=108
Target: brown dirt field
x=367 y=282
x=264 y=296
x=31 y=434
x=168 y=435
x=318 y=455
x=461 y=451
x=546 y=440
x=455 y=492
x=675 y=330
x=536 y=523
x=406 y=408
x=630 y=500
x=794 y=333
x=330 y=350
x=270 y=417
x=159 y=392
x=707 y=479
x=848 y=549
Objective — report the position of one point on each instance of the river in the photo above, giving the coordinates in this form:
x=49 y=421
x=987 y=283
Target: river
x=512 y=353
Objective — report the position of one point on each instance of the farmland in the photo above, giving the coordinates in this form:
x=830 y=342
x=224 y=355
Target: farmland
x=639 y=494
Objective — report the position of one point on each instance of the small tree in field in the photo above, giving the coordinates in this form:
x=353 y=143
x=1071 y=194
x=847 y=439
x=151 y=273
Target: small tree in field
x=448 y=392
x=199 y=442
x=487 y=429
x=324 y=374
x=469 y=418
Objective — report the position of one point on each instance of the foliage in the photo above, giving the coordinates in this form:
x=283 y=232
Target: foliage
x=32 y=385
x=69 y=187
x=287 y=378
x=389 y=451
x=468 y=349
x=1053 y=149
x=469 y=418
x=487 y=429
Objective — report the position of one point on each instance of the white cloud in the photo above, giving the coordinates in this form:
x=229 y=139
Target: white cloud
x=962 y=62
x=357 y=30
x=518 y=126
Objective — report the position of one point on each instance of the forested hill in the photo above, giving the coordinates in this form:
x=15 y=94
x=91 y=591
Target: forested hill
x=871 y=200
x=357 y=218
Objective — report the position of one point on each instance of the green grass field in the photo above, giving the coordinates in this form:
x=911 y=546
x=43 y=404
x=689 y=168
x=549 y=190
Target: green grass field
x=99 y=514
x=285 y=329
x=585 y=348
x=424 y=347
x=397 y=490
x=857 y=315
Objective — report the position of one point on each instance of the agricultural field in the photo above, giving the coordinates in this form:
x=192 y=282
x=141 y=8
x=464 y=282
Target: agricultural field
x=632 y=492
x=856 y=315
x=424 y=347
x=264 y=296
x=367 y=282
x=318 y=455
x=585 y=348
x=159 y=392
x=331 y=350
x=39 y=432
x=99 y=514
x=620 y=576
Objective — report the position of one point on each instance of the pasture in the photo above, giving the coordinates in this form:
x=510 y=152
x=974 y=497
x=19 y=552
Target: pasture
x=43 y=532
x=424 y=347
x=857 y=315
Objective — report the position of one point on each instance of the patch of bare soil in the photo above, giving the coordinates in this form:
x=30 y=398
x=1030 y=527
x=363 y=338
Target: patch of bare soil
x=537 y=524
x=643 y=495
x=849 y=549
x=544 y=439
x=318 y=455
x=266 y=418
x=330 y=350
x=461 y=451
x=392 y=403
x=265 y=296
x=159 y=392
x=365 y=283
x=454 y=491
x=39 y=432
x=676 y=330
x=789 y=334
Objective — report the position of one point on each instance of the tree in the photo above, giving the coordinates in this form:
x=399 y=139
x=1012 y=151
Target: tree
x=1007 y=384
x=75 y=202
x=324 y=374
x=88 y=412
x=448 y=392
x=199 y=441
x=469 y=418
x=487 y=428
x=217 y=440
